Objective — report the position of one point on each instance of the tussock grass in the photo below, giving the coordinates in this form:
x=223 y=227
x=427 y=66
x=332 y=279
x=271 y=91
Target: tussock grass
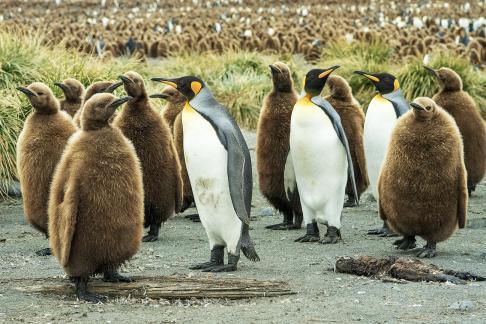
x=239 y=80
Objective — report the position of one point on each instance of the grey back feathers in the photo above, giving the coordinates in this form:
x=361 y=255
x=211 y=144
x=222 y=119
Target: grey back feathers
x=398 y=101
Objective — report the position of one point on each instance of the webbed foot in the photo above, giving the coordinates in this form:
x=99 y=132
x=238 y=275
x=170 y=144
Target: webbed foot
x=333 y=235
x=44 y=252
x=428 y=251
x=406 y=243
x=312 y=234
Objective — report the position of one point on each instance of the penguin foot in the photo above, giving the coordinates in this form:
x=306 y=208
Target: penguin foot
x=153 y=234
x=83 y=294
x=44 y=252
x=283 y=227
x=114 y=276
x=332 y=236
x=312 y=234
x=216 y=259
x=384 y=231
x=471 y=187
x=350 y=202
x=186 y=203
x=194 y=217
x=406 y=243
x=428 y=251
x=221 y=268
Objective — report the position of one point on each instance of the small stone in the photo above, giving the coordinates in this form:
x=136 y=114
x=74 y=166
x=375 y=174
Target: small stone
x=268 y=211
x=464 y=305
x=483 y=255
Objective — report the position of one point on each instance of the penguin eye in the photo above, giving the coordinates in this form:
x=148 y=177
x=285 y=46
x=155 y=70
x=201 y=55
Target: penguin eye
x=428 y=108
x=40 y=93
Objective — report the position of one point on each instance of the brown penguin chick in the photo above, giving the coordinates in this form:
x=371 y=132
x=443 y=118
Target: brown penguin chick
x=73 y=95
x=462 y=107
x=275 y=171
x=39 y=148
x=97 y=87
x=96 y=199
x=175 y=104
x=352 y=118
x=172 y=116
x=422 y=184
x=154 y=144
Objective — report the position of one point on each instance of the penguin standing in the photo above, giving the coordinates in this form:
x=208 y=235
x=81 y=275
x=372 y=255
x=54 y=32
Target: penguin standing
x=382 y=115
x=39 y=148
x=152 y=139
x=422 y=183
x=352 y=117
x=321 y=158
x=219 y=167
x=97 y=87
x=273 y=147
x=96 y=199
x=172 y=115
x=462 y=107
x=73 y=95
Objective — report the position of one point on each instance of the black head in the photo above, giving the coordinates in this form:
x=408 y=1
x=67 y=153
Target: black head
x=315 y=80
x=384 y=82
x=189 y=86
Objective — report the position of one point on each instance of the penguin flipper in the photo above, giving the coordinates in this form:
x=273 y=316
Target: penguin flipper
x=398 y=101
x=338 y=127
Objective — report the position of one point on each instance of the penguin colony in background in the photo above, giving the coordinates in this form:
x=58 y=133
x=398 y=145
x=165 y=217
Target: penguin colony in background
x=311 y=152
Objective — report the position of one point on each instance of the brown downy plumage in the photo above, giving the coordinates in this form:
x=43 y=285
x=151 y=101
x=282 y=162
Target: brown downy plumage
x=352 y=118
x=272 y=148
x=97 y=87
x=462 y=107
x=153 y=142
x=96 y=199
x=422 y=183
x=73 y=95
x=39 y=148
x=175 y=104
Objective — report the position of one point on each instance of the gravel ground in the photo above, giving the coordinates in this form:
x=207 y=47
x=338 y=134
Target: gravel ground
x=322 y=295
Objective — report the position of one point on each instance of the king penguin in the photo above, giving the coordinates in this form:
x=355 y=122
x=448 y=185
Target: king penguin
x=385 y=108
x=321 y=159
x=219 y=167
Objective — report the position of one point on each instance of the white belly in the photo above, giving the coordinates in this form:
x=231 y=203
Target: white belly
x=206 y=161
x=379 y=123
x=320 y=164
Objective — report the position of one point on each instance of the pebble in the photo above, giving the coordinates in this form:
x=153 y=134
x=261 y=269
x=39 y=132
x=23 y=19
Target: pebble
x=268 y=211
x=483 y=255
x=464 y=305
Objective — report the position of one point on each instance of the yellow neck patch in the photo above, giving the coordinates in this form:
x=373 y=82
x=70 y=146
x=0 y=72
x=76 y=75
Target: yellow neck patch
x=396 y=85
x=188 y=108
x=196 y=87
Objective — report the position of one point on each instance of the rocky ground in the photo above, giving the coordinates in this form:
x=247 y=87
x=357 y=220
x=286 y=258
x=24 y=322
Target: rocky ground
x=322 y=295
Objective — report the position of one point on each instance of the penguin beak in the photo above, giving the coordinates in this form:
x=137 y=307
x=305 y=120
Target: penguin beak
x=416 y=106
x=118 y=102
x=431 y=71
x=27 y=92
x=368 y=75
x=113 y=87
x=328 y=71
x=125 y=79
x=274 y=69
x=159 y=95
x=170 y=82
x=63 y=87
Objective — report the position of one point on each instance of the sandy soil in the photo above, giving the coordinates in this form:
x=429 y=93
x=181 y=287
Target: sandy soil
x=322 y=296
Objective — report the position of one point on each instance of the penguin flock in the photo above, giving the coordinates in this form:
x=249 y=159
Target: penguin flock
x=143 y=166
x=162 y=28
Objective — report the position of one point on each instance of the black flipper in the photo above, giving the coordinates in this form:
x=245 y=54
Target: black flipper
x=336 y=122
x=398 y=101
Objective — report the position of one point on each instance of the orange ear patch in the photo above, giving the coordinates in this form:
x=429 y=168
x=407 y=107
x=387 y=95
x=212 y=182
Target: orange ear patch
x=196 y=87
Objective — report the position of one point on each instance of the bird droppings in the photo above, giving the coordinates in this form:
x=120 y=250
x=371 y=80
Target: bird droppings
x=464 y=305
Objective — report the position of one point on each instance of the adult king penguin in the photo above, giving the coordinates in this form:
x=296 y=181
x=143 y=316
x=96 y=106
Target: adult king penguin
x=219 y=167
x=382 y=115
x=321 y=158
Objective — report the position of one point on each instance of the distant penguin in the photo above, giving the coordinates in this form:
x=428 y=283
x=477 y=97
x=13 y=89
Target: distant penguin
x=97 y=87
x=462 y=107
x=73 y=95
x=96 y=199
x=39 y=147
x=173 y=117
x=352 y=117
x=321 y=158
x=382 y=115
x=273 y=148
x=422 y=183
x=219 y=166
x=152 y=139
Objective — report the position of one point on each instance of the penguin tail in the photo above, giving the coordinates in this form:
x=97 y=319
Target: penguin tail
x=247 y=246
